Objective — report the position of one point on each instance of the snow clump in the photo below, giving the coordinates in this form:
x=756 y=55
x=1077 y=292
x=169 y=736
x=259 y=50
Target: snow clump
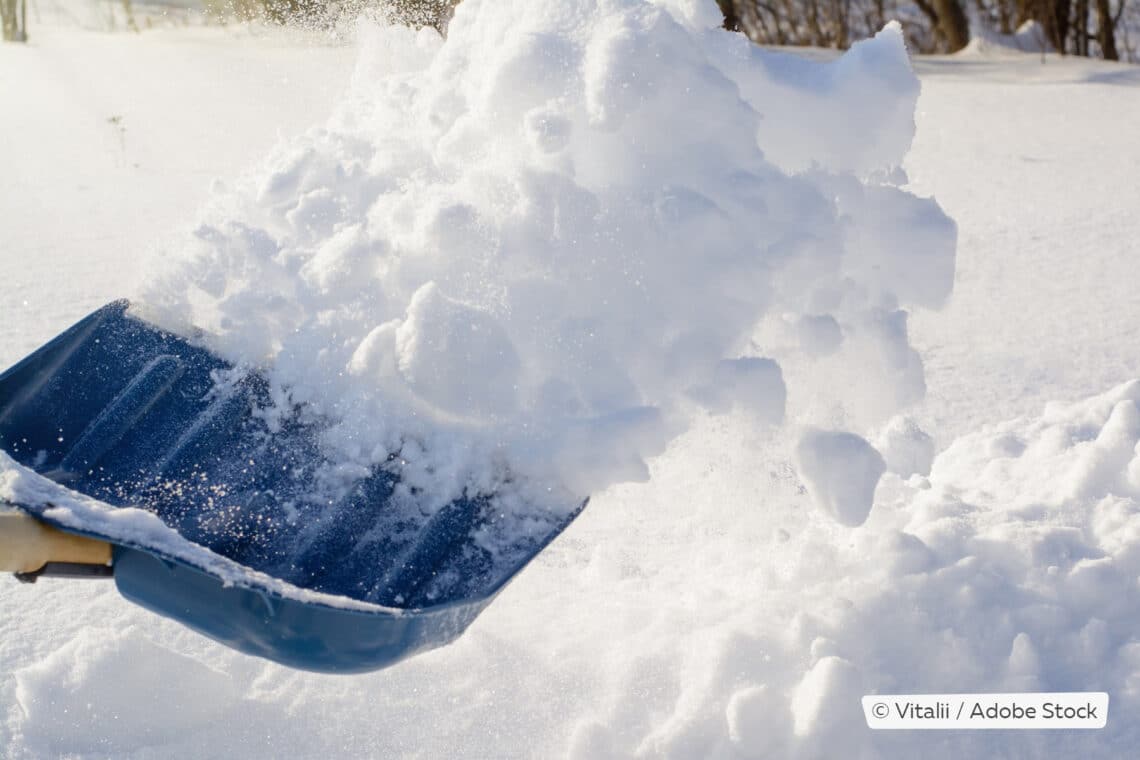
x=525 y=258
x=840 y=471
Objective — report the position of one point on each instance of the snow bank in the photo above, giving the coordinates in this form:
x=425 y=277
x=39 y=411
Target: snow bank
x=1020 y=557
x=1012 y=567
x=526 y=257
x=101 y=678
x=1030 y=37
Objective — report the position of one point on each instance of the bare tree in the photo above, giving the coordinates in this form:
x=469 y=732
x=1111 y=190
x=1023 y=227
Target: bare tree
x=948 y=22
x=323 y=13
x=731 y=20
x=14 y=18
x=929 y=24
x=1106 y=23
x=1069 y=24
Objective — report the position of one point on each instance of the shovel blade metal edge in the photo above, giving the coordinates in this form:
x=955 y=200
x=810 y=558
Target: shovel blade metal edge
x=301 y=635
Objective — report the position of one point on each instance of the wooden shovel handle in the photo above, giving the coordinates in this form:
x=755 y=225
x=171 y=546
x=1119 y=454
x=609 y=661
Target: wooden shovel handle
x=26 y=545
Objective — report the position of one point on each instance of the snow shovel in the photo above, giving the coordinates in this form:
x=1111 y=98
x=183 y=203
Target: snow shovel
x=134 y=453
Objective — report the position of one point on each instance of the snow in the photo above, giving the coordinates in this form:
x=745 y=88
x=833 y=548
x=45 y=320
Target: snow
x=492 y=262
x=114 y=139
x=905 y=447
x=94 y=679
x=712 y=611
x=823 y=703
x=1030 y=37
x=840 y=471
x=136 y=527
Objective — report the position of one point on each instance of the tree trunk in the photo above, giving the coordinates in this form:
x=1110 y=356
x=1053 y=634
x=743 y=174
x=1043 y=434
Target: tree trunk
x=1056 y=20
x=731 y=19
x=842 y=11
x=1106 y=31
x=8 y=18
x=952 y=23
x=1081 y=28
x=1005 y=17
x=1028 y=10
x=813 y=26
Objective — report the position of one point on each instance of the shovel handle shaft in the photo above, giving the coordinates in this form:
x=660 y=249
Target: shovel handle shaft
x=26 y=545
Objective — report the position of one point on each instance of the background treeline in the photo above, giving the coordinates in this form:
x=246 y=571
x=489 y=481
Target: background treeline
x=1097 y=28
x=14 y=20
x=417 y=13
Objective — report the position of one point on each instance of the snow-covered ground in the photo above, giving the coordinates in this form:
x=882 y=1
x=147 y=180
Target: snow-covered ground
x=713 y=611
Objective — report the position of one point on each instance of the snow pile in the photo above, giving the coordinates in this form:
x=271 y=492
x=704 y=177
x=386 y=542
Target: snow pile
x=532 y=253
x=1030 y=37
x=1020 y=558
x=1013 y=567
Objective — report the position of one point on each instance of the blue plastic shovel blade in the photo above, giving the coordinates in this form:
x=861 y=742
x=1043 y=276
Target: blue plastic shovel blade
x=134 y=416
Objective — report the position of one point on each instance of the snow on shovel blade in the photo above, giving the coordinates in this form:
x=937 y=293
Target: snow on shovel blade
x=121 y=432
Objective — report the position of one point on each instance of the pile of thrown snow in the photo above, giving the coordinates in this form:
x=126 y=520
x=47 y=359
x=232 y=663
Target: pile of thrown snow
x=1013 y=567
x=528 y=256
